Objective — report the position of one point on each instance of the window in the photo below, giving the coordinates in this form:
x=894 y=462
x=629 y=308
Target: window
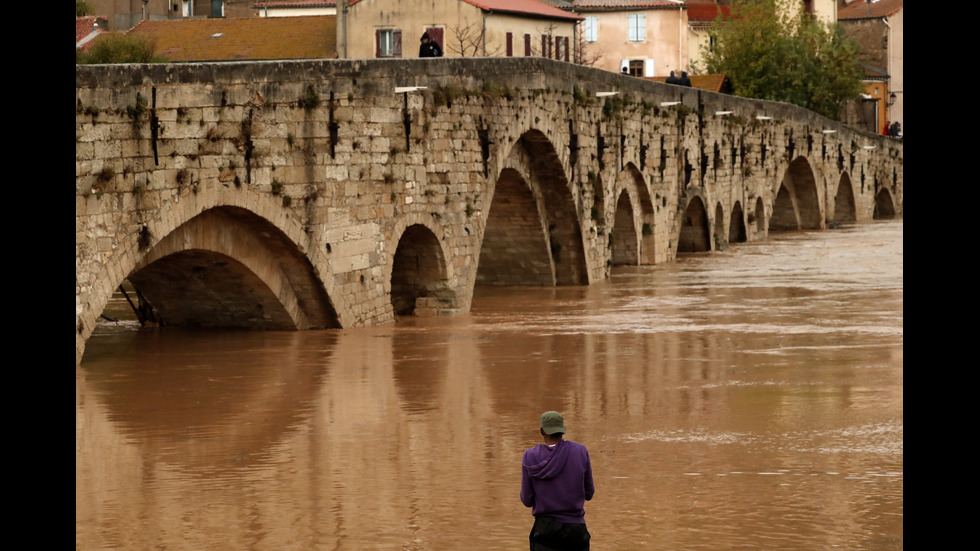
x=436 y=35
x=591 y=28
x=638 y=27
x=389 y=43
x=561 y=48
x=636 y=67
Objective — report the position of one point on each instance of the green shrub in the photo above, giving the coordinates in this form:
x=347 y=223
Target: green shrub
x=120 y=48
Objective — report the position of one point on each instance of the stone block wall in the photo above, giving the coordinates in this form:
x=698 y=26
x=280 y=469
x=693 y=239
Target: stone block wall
x=334 y=161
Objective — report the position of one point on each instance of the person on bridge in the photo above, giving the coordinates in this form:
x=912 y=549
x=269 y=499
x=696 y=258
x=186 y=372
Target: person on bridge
x=684 y=80
x=895 y=130
x=886 y=130
x=428 y=47
x=556 y=481
x=672 y=79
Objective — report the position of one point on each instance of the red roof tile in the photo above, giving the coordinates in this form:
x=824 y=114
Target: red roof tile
x=876 y=9
x=705 y=13
x=227 y=39
x=296 y=4
x=625 y=4
x=84 y=26
x=525 y=7
x=87 y=29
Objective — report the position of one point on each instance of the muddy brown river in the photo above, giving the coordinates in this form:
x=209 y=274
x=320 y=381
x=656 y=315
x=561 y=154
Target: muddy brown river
x=747 y=399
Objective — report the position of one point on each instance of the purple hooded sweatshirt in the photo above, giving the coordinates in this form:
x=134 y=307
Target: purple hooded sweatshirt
x=557 y=481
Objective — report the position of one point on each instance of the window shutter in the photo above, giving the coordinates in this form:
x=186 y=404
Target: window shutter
x=527 y=44
x=377 y=43
x=637 y=27
x=510 y=44
x=591 y=28
x=565 y=40
x=396 y=46
x=648 y=68
x=624 y=64
x=436 y=34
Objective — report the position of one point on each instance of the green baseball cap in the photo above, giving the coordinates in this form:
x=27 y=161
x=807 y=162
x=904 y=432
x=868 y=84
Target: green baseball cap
x=552 y=422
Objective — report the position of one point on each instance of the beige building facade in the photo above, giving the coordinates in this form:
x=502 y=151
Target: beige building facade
x=824 y=10
x=644 y=41
x=463 y=28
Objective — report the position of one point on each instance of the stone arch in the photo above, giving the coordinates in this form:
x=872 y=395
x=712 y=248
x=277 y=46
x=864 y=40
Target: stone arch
x=736 y=226
x=783 y=212
x=533 y=184
x=845 y=210
x=623 y=242
x=515 y=246
x=419 y=273
x=632 y=179
x=227 y=267
x=797 y=204
x=695 y=231
x=129 y=253
x=884 y=205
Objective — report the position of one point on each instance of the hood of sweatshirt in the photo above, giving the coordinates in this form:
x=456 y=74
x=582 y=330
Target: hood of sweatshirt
x=544 y=462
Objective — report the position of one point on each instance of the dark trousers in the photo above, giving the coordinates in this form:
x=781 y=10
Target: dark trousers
x=549 y=534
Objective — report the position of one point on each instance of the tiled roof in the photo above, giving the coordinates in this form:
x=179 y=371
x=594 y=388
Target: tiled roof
x=706 y=13
x=229 y=39
x=297 y=4
x=524 y=7
x=595 y=5
x=874 y=73
x=863 y=10
x=567 y=5
x=86 y=30
x=84 y=26
x=711 y=83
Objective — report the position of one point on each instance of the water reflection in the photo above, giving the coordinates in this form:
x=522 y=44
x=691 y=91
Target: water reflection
x=744 y=399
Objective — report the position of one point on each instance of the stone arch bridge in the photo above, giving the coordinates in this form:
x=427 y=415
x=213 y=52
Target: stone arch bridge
x=341 y=193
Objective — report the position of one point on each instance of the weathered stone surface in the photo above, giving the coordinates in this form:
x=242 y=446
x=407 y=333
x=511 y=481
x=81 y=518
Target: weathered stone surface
x=348 y=201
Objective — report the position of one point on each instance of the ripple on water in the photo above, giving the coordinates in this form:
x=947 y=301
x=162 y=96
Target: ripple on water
x=881 y=438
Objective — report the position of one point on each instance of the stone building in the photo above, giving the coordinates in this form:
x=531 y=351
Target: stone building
x=464 y=28
x=878 y=26
x=645 y=39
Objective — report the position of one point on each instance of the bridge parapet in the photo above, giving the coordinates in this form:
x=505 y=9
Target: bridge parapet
x=401 y=184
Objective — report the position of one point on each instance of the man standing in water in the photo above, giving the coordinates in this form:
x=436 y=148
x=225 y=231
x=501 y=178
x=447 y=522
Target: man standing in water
x=556 y=481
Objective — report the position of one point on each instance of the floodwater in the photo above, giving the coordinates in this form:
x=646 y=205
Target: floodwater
x=748 y=399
